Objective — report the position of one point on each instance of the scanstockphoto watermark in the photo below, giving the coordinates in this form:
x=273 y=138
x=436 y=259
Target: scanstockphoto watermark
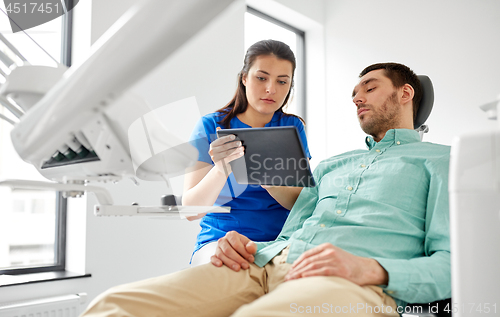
x=277 y=164
x=278 y=171
x=294 y=179
x=356 y=308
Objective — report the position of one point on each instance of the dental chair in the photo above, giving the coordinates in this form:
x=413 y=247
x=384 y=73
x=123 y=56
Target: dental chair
x=425 y=105
x=435 y=309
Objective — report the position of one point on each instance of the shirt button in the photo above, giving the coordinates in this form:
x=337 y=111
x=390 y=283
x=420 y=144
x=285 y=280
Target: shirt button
x=390 y=292
x=322 y=225
x=363 y=165
x=398 y=143
x=349 y=188
x=339 y=211
x=377 y=150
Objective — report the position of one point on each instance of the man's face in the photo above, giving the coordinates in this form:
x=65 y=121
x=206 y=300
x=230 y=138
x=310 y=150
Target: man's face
x=377 y=102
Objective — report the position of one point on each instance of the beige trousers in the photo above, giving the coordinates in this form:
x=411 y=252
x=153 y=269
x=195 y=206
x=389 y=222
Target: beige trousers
x=207 y=290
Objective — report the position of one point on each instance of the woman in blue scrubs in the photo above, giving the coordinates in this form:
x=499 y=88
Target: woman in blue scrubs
x=264 y=88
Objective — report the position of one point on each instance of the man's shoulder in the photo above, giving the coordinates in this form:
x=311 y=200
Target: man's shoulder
x=433 y=149
x=434 y=157
x=436 y=146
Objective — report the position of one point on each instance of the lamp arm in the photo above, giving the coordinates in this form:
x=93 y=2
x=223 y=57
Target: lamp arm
x=102 y=194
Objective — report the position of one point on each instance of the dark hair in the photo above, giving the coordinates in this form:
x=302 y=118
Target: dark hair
x=239 y=103
x=400 y=75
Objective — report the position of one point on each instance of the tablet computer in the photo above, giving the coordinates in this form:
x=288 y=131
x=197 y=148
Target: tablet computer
x=273 y=156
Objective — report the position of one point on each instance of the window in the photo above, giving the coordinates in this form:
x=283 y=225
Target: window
x=259 y=26
x=32 y=222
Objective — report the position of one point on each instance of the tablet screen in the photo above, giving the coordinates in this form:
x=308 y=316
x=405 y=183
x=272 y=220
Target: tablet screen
x=273 y=156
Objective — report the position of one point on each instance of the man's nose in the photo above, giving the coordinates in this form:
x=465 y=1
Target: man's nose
x=358 y=98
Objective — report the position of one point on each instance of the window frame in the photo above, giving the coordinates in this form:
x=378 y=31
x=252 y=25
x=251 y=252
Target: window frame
x=61 y=201
x=300 y=57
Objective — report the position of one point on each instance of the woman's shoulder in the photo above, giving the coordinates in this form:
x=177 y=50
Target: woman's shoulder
x=285 y=119
x=213 y=116
x=212 y=120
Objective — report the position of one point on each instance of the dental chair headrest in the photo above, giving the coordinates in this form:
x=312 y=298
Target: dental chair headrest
x=426 y=103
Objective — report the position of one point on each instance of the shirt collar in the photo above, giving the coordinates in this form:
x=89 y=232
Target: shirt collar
x=276 y=117
x=394 y=136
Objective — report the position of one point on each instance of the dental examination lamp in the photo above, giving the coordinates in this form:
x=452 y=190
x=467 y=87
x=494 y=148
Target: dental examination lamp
x=475 y=220
x=81 y=124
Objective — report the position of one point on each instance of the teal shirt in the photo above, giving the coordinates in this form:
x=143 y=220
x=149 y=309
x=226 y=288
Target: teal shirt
x=389 y=203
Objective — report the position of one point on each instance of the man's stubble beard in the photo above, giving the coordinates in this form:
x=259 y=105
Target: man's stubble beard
x=386 y=118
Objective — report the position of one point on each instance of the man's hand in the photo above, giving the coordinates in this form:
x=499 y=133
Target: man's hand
x=329 y=260
x=234 y=250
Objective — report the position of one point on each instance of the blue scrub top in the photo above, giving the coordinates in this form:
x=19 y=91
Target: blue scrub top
x=254 y=213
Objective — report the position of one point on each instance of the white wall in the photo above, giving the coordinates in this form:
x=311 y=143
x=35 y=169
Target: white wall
x=308 y=16
x=454 y=42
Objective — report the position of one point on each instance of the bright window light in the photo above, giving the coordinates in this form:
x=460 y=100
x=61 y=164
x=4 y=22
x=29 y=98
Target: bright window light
x=27 y=217
x=257 y=28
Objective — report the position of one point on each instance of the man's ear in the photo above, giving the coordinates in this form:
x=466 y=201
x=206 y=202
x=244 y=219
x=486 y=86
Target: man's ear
x=407 y=94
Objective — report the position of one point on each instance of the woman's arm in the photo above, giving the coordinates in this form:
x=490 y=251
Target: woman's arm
x=203 y=182
x=202 y=185
x=285 y=196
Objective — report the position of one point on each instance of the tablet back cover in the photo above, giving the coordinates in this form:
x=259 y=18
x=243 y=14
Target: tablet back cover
x=273 y=156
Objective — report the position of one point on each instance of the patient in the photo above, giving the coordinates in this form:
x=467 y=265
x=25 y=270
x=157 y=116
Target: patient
x=372 y=236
